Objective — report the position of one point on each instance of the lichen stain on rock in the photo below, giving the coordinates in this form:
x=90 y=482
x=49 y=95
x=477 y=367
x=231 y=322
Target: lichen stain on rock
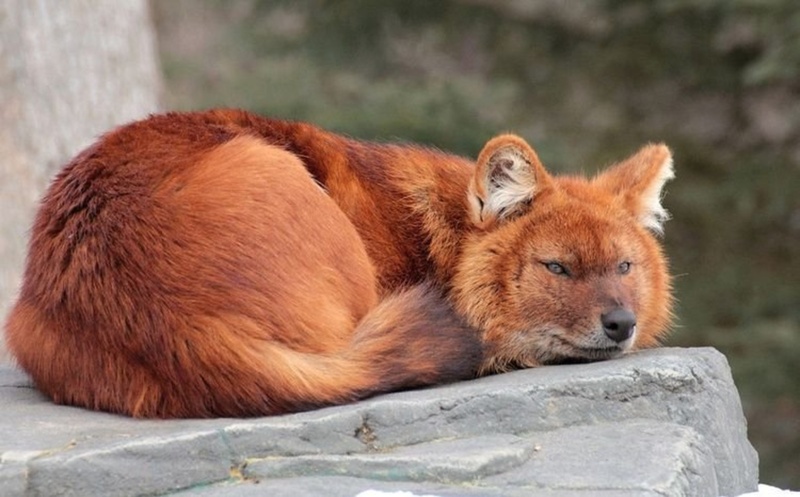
x=365 y=434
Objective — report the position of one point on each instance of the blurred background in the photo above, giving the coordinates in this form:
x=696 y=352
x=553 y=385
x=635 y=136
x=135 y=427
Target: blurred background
x=586 y=83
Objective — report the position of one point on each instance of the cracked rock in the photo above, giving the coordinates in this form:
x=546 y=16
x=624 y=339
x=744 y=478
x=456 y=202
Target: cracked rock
x=658 y=422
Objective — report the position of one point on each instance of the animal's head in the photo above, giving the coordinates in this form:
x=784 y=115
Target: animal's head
x=562 y=268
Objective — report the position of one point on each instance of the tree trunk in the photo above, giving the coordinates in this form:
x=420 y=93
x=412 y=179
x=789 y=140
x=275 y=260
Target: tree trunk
x=69 y=70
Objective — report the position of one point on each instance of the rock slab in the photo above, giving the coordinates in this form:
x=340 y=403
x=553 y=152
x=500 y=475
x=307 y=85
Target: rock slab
x=654 y=423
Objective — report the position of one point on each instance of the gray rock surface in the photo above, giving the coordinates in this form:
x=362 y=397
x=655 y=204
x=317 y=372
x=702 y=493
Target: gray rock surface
x=660 y=422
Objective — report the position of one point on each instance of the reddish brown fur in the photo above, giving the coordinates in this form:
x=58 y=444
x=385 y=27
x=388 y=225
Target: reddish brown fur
x=188 y=265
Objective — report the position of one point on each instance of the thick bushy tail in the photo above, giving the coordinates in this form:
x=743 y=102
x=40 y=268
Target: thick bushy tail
x=412 y=339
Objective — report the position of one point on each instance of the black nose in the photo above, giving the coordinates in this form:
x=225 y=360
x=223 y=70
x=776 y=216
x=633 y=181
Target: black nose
x=618 y=324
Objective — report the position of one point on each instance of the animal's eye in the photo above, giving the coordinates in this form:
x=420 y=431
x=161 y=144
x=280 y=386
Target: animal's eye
x=624 y=267
x=556 y=268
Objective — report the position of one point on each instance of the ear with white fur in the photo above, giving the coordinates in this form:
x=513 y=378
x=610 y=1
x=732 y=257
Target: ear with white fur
x=507 y=176
x=639 y=181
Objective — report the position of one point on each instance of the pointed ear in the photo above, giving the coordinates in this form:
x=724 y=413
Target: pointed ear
x=507 y=176
x=639 y=181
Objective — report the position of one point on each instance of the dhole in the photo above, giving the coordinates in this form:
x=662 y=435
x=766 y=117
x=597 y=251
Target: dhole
x=220 y=263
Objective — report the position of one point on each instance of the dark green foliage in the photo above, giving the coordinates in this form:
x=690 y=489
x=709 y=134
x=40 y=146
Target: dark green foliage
x=586 y=83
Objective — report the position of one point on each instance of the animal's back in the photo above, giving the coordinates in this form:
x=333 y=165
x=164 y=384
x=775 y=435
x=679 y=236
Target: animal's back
x=166 y=256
